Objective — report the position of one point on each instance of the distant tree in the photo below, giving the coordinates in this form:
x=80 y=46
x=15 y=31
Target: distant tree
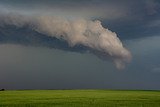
x=2 y=89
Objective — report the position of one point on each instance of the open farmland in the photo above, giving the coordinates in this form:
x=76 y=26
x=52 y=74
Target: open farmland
x=79 y=98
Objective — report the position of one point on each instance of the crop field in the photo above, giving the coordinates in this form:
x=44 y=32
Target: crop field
x=79 y=98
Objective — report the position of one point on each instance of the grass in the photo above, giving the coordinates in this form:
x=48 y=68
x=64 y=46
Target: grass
x=79 y=98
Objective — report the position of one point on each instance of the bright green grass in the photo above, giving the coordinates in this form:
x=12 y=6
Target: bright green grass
x=79 y=98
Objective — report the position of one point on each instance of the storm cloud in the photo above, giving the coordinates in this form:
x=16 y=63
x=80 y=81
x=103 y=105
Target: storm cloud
x=88 y=33
x=78 y=51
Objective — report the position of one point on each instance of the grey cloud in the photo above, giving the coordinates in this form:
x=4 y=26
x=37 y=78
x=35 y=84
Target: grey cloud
x=107 y=9
x=156 y=70
x=110 y=10
x=154 y=23
x=152 y=7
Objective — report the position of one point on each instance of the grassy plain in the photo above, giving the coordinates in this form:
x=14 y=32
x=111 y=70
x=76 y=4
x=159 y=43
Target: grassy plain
x=79 y=98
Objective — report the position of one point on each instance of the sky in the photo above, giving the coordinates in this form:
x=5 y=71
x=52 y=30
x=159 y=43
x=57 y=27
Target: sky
x=63 y=44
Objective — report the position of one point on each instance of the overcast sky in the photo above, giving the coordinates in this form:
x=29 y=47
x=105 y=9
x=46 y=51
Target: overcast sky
x=40 y=66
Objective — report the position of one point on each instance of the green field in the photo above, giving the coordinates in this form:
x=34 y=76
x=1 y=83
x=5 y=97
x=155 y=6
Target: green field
x=79 y=98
